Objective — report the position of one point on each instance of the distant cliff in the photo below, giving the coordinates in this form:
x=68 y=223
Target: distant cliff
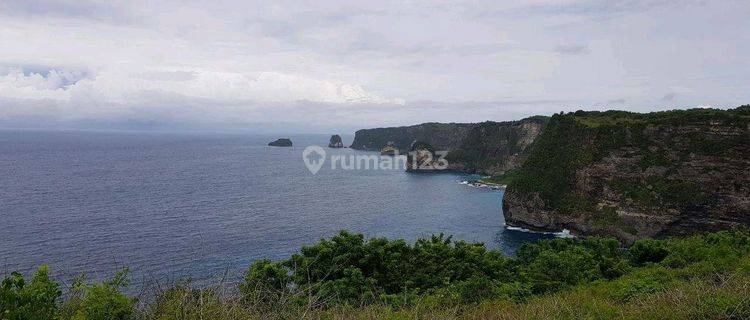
x=495 y=147
x=487 y=147
x=443 y=136
x=633 y=175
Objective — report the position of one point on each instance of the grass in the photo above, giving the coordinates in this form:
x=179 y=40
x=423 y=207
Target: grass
x=650 y=293
x=503 y=179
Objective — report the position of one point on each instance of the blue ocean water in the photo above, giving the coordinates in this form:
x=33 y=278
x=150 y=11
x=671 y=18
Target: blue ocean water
x=171 y=206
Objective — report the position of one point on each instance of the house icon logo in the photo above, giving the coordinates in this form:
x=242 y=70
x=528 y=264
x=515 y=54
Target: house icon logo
x=314 y=157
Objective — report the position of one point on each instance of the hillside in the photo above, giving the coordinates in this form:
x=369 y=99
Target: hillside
x=634 y=175
x=487 y=147
x=444 y=136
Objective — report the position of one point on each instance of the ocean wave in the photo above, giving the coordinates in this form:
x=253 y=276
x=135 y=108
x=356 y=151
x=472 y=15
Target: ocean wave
x=564 y=233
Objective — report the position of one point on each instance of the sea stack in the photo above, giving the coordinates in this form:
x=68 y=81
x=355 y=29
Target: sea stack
x=282 y=142
x=335 y=142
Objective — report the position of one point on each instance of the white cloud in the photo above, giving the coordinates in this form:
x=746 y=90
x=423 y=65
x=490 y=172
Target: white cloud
x=366 y=64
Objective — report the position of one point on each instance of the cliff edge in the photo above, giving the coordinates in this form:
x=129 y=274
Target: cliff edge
x=489 y=147
x=634 y=175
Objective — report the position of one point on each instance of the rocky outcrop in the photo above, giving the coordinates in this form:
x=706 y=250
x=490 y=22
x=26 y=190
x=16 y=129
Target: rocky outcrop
x=282 y=142
x=422 y=157
x=488 y=147
x=636 y=175
x=335 y=142
x=389 y=149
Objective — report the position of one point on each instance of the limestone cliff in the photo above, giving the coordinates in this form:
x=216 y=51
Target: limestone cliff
x=487 y=147
x=496 y=147
x=443 y=136
x=634 y=175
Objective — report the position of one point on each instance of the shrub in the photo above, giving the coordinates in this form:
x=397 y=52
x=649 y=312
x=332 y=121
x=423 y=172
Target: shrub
x=100 y=301
x=36 y=300
x=647 y=251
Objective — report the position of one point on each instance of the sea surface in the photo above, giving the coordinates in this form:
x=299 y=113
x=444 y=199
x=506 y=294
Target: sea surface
x=172 y=206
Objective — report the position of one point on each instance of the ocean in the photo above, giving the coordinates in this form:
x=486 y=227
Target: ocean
x=173 y=206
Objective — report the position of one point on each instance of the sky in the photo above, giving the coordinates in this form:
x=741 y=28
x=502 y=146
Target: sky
x=320 y=66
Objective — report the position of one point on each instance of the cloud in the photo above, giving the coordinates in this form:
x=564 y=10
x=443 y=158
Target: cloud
x=668 y=97
x=572 y=49
x=86 y=9
x=364 y=64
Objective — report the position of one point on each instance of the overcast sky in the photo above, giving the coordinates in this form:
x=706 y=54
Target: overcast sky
x=329 y=65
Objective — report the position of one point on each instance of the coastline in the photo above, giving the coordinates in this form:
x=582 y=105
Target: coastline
x=482 y=183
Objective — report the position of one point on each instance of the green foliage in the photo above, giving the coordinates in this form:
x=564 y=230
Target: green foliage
x=100 y=301
x=36 y=300
x=575 y=140
x=490 y=143
x=703 y=276
x=506 y=178
x=555 y=264
x=265 y=281
x=646 y=251
x=348 y=268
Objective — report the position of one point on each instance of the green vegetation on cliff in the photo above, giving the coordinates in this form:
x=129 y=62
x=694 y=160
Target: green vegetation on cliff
x=668 y=147
x=444 y=136
x=488 y=147
x=706 y=276
x=496 y=147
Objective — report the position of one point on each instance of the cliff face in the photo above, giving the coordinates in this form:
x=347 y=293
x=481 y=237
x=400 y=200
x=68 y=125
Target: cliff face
x=488 y=147
x=495 y=147
x=635 y=175
x=443 y=136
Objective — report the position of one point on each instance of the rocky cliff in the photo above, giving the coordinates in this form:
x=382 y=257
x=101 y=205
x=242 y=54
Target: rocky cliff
x=634 y=175
x=487 y=147
x=443 y=136
x=496 y=147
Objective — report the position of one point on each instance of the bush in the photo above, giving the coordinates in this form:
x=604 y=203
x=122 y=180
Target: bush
x=265 y=277
x=100 y=301
x=435 y=277
x=647 y=251
x=36 y=300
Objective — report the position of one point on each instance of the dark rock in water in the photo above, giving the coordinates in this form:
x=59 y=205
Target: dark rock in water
x=389 y=149
x=423 y=157
x=336 y=142
x=283 y=142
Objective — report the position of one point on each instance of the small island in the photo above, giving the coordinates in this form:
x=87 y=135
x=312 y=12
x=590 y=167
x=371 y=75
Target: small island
x=281 y=142
x=335 y=142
